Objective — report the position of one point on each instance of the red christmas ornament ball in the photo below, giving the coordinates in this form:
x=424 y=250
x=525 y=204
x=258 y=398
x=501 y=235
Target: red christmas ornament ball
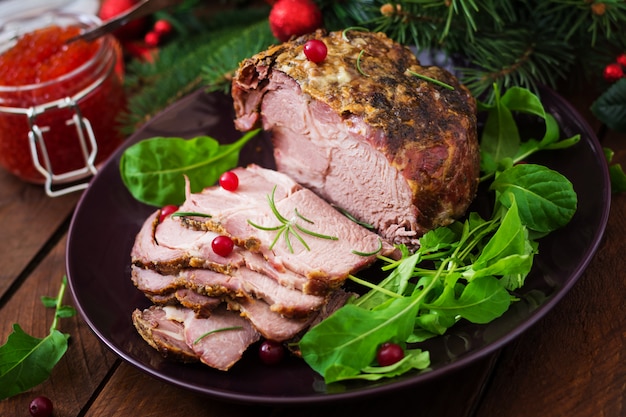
x=613 y=72
x=622 y=60
x=131 y=30
x=294 y=18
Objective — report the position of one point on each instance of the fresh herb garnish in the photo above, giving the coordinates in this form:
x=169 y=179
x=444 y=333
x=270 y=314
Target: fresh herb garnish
x=344 y=33
x=378 y=249
x=468 y=270
x=289 y=226
x=153 y=170
x=351 y=217
x=431 y=80
x=26 y=361
x=358 y=63
x=190 y=214
x=223 y=329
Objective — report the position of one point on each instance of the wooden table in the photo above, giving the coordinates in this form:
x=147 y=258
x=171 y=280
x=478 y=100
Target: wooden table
x=572 y=363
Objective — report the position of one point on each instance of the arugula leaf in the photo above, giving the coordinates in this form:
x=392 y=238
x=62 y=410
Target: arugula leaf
x=26 y=361
x=413 y=359
x=501 y=145
x=481 y=301
x=344 y=343
x=507 y=252
x=545 y=198
x=500 y=138
x=153 y=170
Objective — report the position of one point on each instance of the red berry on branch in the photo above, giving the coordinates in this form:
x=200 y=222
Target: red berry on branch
x=294 y=18
x=162 y=27
x=622 y=60
x=613 y=72
x=152 y=39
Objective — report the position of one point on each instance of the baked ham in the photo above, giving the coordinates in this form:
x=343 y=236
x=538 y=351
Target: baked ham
x=278 y=289
x=365 y=130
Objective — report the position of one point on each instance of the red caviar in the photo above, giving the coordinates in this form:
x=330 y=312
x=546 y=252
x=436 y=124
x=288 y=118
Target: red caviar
x=41 y=69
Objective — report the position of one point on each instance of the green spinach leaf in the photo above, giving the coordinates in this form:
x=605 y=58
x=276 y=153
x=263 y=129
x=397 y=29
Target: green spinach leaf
x=154 y=170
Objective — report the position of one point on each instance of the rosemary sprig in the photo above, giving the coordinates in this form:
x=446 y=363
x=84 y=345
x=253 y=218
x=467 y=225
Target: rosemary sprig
x=289 y=227
x=358 y=63
x=432 y=80
x=223 y=329
x=380 y=246
x=189 y=214
x=344 y=33
x=351 y=217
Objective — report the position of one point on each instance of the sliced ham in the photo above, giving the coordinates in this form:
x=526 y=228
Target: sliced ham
x=218 y=342
x=243 y=283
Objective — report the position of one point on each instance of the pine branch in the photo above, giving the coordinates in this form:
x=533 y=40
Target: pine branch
x=524 y=43
x=515 y=57
x=179 y=69
x=220 y=67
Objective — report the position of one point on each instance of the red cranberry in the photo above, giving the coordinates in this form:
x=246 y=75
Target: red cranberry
x=389 y=353
x=167 y=211
x=271 y=352
x=229 y=181
x=40 y=407
x=315 y=50
x=222 y=245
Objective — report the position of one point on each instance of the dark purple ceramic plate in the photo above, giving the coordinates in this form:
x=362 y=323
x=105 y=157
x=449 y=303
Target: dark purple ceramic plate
x=107 y=218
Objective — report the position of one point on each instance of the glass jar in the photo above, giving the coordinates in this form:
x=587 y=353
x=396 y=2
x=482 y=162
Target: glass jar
x=56 y=130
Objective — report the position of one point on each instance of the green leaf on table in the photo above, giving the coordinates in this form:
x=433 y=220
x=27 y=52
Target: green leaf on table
x=616 y=173
x=545 y=198
x=610 y=107
x=27 y=361
x=154 y=169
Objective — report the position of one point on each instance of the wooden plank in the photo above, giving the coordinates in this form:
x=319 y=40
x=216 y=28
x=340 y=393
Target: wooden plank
x=28 y=217
x=86 y=362
x=131 y=392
